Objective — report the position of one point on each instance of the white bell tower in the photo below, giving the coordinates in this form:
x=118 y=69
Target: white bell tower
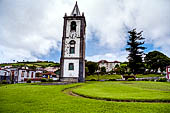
x=73 y=47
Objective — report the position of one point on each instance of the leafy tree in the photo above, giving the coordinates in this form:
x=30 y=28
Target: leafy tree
x=117 y=69
x=136 y=51
x=120 y=69
x=155 y=60
x=86 y=70
x=92 y=67
x=103 y=70
x=117 y=66
x=125 y=68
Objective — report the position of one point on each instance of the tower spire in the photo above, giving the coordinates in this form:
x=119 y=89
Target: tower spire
x=75 y=11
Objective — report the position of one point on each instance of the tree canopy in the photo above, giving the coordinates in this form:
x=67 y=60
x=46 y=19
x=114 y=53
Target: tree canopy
x=155 y=60
x=103 y=70
x=91 y=67
x=136 y=50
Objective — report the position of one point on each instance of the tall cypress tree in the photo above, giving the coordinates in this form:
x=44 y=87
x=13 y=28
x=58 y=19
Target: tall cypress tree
x=136 y=50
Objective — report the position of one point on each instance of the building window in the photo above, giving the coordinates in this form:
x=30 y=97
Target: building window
x=28 y=74
x=73 y=26
x=168 y=69
x=72 y=50
x=22 y=73
x=72 y=46
x=32 y=74
x=102 y=62
x=71 y=66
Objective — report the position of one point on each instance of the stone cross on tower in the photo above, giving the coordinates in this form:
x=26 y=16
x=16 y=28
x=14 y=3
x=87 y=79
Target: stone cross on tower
x=73 y=47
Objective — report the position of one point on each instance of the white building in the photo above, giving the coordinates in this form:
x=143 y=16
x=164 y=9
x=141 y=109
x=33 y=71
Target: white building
x=9 y=74
x=108 y=65
x=168 y=72
x=4 y=75
x=18 y=75
x=25 y=74
x=73 y=47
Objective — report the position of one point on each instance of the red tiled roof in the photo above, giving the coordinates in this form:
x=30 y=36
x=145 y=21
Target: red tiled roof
x=105 y=61
x=49 y=73
x=116 y=62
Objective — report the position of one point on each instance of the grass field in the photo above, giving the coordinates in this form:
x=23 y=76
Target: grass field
x=124 y=90
x=36 y=64
x=19 y=98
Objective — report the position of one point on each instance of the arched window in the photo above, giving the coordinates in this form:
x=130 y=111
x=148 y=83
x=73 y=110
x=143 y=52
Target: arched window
x=72 y=46
x=72 y=42
x=71 y=66
x=73 y=26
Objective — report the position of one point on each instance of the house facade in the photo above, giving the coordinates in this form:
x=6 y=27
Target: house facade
x=18 y=75
x=168 y=72
x=108 y=65
x=9 y=74
x=5 y=75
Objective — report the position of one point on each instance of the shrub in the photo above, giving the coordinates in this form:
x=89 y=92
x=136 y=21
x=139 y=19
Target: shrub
x=92 y=80
x=112 y=80
x=152 y=80
x=145 y=79
x=50 y=80
x=29 y=81
x=162 y=80
x=131 y=79
x=129 y=73
x=43 y=80
x=4 y=82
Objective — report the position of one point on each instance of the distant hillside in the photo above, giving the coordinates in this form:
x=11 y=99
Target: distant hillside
x=42 y=64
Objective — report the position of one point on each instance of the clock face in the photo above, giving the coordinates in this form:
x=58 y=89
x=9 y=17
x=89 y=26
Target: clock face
x=72 y=35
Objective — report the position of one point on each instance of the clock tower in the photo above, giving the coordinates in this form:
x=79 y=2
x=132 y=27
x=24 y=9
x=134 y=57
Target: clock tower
x=73 y=47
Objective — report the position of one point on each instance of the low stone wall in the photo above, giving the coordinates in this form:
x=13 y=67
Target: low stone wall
x=148 y=78
x=55 y=83
x=69 y=79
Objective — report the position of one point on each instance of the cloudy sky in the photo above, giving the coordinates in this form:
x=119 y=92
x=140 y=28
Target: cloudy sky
x=32 y=29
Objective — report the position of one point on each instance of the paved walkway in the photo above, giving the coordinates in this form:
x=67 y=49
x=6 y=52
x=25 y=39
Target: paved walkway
x=55 y=83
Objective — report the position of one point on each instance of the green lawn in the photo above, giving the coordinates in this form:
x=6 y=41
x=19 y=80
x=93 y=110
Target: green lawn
x=124 y=90
x=17 y=98
x=100 y=77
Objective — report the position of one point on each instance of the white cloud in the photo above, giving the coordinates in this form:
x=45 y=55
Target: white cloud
x=121 y=56
x=8 y=54
x=30 y=28
x=110 y=18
